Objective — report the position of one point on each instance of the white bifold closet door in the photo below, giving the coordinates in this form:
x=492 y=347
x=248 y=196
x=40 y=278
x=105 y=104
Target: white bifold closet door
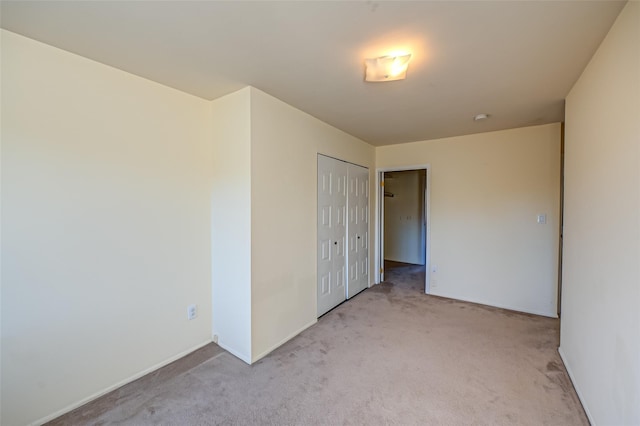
x=343 y=231
x=357 y=229
x=332 y=228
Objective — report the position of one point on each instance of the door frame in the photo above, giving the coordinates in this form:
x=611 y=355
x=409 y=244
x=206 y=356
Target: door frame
x=379 y=234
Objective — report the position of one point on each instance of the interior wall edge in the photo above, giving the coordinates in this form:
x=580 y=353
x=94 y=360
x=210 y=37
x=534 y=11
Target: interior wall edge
x=567 y=366
x=601 y=234
x=231 y=227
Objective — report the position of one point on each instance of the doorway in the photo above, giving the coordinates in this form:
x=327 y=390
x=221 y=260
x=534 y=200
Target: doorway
x=403 y=233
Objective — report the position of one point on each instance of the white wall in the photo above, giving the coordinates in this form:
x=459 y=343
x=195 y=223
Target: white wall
x=600 y=328
x=111 y=184
x=231 y=223
x=284 y=147
x=486 y=192
x=264 y=218
x=404 y=217
x=105 y=227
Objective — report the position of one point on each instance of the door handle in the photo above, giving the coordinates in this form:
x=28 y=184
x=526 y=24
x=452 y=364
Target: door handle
x=335 y=243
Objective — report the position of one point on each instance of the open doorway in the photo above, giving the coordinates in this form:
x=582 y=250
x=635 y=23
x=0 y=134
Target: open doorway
x=404 y=227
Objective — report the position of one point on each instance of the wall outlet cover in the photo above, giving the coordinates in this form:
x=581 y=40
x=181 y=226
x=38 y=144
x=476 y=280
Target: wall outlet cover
x=192 y=312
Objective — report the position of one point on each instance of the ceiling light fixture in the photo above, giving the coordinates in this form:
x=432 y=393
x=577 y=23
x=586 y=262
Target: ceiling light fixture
x=387 y=68
x=481 y=117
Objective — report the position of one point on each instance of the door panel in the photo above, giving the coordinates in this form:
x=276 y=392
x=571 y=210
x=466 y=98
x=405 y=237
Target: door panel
x=325 y=284
x=358 y=229
x=332 y=178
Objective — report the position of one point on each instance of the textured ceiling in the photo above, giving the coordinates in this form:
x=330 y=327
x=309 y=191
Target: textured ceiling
x=515 y=60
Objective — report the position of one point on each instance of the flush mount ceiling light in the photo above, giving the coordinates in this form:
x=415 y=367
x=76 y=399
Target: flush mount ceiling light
x=387 y=68
x=481 y=117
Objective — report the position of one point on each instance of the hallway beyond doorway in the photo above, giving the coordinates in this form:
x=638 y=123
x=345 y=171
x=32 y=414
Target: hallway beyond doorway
x=410 y=275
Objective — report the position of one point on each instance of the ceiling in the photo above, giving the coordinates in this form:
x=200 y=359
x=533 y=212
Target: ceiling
x=515 y=60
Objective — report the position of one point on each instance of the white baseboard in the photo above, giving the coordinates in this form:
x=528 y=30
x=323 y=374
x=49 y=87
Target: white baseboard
x=242 y=356
x=283 y=341
x=575 y=386
x=119 y=384
x=550 y=314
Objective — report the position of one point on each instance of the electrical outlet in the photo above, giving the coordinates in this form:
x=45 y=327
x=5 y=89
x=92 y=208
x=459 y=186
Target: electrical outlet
x=434 y=268
x=192 y=312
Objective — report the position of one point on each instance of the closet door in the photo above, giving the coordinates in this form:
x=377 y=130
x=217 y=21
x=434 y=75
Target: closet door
x=358 y=230
x=332 y=213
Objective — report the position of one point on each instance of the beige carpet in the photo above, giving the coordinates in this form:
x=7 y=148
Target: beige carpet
x=391 y=355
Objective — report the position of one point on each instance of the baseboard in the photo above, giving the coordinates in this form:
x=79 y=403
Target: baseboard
x=241 y=356
x=283 y=341
x=549 y=314
x=119 y=384
x=575 y=386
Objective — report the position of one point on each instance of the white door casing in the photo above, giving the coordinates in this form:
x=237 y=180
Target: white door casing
x=380 y=253
x=379 y=236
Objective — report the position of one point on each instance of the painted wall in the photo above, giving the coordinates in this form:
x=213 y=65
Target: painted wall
x=486 y=193
x=404 y=217
x=600 y=328
x=105 y=227
x=231 y=223
x=284 y=147
x=264 y=218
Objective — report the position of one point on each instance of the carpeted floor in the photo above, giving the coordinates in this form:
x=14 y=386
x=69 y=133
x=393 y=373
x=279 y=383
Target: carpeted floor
x=391 y=355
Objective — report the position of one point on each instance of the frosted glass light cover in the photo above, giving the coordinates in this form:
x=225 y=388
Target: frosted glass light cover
x=386 y=68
